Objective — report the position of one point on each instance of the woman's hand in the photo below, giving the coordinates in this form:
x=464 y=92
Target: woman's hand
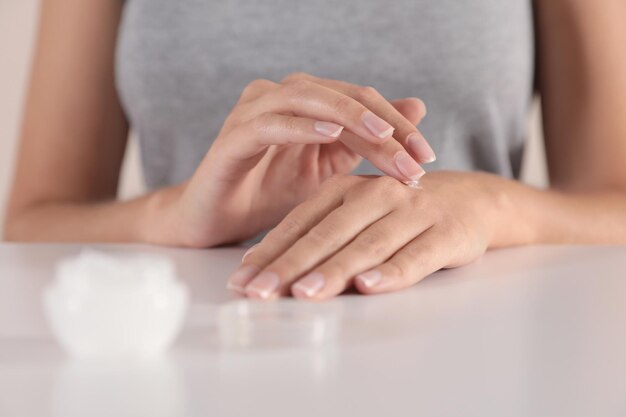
x=279 y=143
x=377 y=234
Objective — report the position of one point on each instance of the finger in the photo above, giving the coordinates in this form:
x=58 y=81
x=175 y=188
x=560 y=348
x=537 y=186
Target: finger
x=405 y=131
x=415 y=110
x=309 y=99
x=383 y=157
x=424 y=255
x=369 y=249
x=297 y=223
x=250 y=138
x=331 y=234
x=412 y=108
x=390 y=157
x=396 y=158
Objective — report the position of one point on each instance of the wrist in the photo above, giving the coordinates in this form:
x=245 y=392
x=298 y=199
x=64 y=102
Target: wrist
x=160 y=221
x=511 y=224
x=173 y=218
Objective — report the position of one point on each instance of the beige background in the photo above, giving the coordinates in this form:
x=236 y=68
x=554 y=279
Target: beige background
x=18 y=19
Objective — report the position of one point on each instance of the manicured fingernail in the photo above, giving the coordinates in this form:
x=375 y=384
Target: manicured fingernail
x=376 y=125
x=407 y=166
x=263 y=286
x=248 y=252
x=241 y=276
x=370 y=278
x=311 y=284
x=420 y=147
x=328 y=129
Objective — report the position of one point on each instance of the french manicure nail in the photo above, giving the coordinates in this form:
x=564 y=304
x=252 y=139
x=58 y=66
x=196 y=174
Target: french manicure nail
x=420 y=147
x=241 y=276
x=332 y=130
x=376 y=125
x=311 y=284
x=263 y=286
x=407 y=166
x=370 y=278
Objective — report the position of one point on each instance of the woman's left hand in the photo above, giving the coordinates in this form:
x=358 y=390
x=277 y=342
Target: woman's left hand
x=376 y=234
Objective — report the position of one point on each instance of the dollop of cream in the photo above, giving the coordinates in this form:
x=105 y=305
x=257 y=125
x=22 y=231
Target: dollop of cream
x=101 y=304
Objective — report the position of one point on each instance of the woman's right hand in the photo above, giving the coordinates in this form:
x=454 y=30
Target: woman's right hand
x=279 y=143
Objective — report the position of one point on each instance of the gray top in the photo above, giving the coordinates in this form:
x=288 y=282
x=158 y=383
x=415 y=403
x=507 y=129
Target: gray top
x=181 y=66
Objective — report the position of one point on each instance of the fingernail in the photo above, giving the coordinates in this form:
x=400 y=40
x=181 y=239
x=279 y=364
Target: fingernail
x=407 y=166
x=248 y=252
x=328 y=129
x=370 y=278
x=263 y=286
x=376 y=125
x=420 y=147
x=241 y=276
x=311 y=284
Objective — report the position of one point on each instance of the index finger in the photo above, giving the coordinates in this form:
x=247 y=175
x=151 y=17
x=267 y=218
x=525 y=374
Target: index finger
x=405 y=130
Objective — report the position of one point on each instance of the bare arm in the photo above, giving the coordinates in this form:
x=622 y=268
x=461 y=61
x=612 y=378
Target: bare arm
x=74 y=137
x=582 y=80
x=582 y=76
x=74 y=131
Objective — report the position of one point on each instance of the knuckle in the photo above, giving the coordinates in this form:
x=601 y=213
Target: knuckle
x=290 y=226
x=413 y=252
x=372 y=244
x=367 y=94
x=337 y=268
x=326 y=236
x=262 y=122
x=297 y=88
x=388 y=188
x=294 y=76
x=422 y=203
x=234 y=117
x=342 y=104
x=385 y=182
x=398 y=268
x=256 y=86
x=333 y=183
x=397 y=192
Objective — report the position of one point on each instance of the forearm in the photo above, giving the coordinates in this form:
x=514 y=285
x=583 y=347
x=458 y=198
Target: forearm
x=79 y=222
x=534 y=216
x=140 y=220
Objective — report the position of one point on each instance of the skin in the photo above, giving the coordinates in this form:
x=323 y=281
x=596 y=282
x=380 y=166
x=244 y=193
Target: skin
x=66 y=181
x=282 y=136
x=339 y=239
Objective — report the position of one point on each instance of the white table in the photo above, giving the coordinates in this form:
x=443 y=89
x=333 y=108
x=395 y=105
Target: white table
x=522 y=332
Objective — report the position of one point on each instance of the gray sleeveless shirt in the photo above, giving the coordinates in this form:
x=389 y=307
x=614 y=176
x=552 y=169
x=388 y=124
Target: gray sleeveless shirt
x=182 y=64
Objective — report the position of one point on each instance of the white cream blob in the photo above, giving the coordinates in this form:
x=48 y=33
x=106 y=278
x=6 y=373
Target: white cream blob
x=105 y=305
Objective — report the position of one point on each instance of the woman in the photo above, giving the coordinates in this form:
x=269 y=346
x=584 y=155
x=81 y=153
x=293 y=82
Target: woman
x=174 y=72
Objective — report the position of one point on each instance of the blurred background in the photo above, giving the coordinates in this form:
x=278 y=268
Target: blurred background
x=18 y=24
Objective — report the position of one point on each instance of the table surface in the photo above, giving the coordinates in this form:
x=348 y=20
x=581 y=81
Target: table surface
x=537 y=331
